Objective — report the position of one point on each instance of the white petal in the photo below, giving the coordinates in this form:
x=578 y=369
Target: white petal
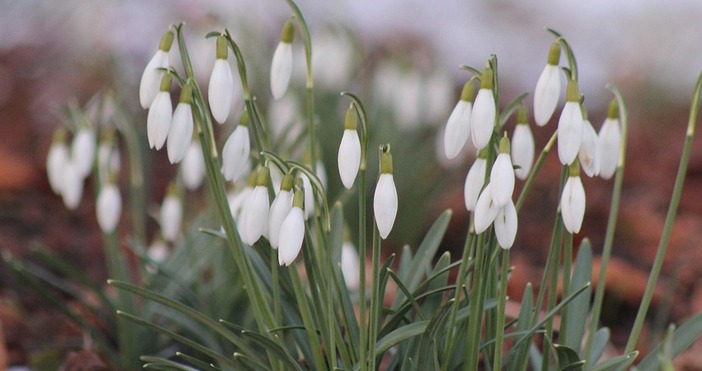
x=181 y=132
x=350 y=266
x=522 y=150
x=546 y=94
x=506 y=225
x=237 y=202
x=573 y=204
x=610 y=139
x=255 y=215
x=279 y=210
x=457 y=129
x=151 y=78
x=292 y=233
x=385 y=204
x=309 y=196
x=281 y=69
x=474 y=183
x=72 y=185
x=171 y=217
x=589 y=153
x=158 y=122
x=83 y=151
x=220 y=91
x=235 y=154
x=193 y=166
x=108 y=158
x=485 y=210
x=570 y=132
x=158 y=251
x=482 y=118
x=502 y=180
x=349 y=158
x=109 y=208
x=55 y=161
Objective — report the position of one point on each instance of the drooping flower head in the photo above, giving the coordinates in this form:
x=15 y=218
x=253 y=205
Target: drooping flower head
x=158 y=122
x=151 y=78
x=83 y=151
x=171 y=214
x=181 y=131
x=475 y=180
x=548 y=87
x=255 y=213
x=458 y=126
x=349 y=158
x=573 y=200
x=56 y=159
x=108 y=207
x=589 y=154
x=502 y=175
x=108 y=158
x=522 y=145
x=192 y=169
x=482 y=118
x=485 y=210
x=506 y=225
x=279 y=209
x=385 y=198
x=350 y=266
x=610 y=141
x=570 y=125
x=236 y=151
x=220 y=90
x=292 y=231
x=281 y=66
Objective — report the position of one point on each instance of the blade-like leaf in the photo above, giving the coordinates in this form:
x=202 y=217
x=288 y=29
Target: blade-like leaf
x=568 y=358
x=598 y=345
x=683 y=337
x=578 y=309
x=617 y=363
x=274 y=348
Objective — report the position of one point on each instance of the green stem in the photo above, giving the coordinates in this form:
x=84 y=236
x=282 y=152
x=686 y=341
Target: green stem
x=567 y=263
x=535 y=170
x=376 y=303
x=499 y=339
x=669 y=221
x=476 y=312
x=362 y=254
x=306 y=317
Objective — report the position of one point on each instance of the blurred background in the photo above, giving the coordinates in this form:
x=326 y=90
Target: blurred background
x=401 y=57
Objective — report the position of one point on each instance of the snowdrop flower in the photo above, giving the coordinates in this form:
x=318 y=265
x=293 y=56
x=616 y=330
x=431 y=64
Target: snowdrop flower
x=109 y=207
x=458 y=126
x=349 y=158
x=171 y=214
x=570 y=125
x=350 y=266
x=292 y=232
x=573 y=200
x=310 y=196
x=279 y=210
x=485 y=210
x=220 y=90
x=385 y=197
x=506 y=225
x=281 y=66
x=151 y=78
x=610 y=140
x=56 y=159
x=193 y=166
x=475 y=180
x=71 y=185
x=158 y=122
x=236 y=151
x=522 y=145
x=502 y=175
x=255 y=213
x=589 y=153
x=157 y=252
x=83 y=151
x=181 y=131
x=237 y=200
x=482 y=118
x=548 y=87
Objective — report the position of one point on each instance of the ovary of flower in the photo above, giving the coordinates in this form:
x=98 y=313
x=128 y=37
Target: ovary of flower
x=83 y=151
x=281 y=69
x=151 y=78
x=109 y=208
x=589 y=153
x=485 y=210
x=292 y=233
x=255 y=217
x=280 y=208
x=193 y=166
x=235 y=154
x=573 y=204
x=506 y=225
x=457 y=129
x=55 y=161
x=610 y=139
x=171 y=217
x=474 y=183
x=570 y=132
x=385 y=204
x=220 y=91
x=71 y=185
x=109 y=161
x=350 y=266
x=158 y=121
x=349 y=158
x=482 y=119
x=546 y=94
x=522 y=150
x=502 y=180
x=181 y=132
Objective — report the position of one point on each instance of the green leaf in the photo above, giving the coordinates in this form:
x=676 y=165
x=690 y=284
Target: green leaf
x=196 y=362
x=510 y=108
x=577 y=310
x=598 y=345
x=523 y=324
x=400 y=334
x=272 y=347
x=568 y=358
x=683 y=337
x=433 y=302
x=619 y=363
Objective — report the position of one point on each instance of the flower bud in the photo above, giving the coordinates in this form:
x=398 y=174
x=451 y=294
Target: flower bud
x=281 y=66
x=236 y=151
x=220 y=90
x=385 y=198
x=475 y=180
x=573 y=200
x=56 y=159
x=589 y=153
x=349 y=157
x=193 y=166
x=482 y=118
x=522 y=145
x=151 y=78
x=292 y=232
x=109 y=207
x=506 y=225
x=548 y=87
x=458 y=126
x=281 y=206
x=83 y=151
x=255 y=212
x=181 y=131
x=158 y=122
x=610 y=141
x=171 y=214
x=72 y=185
x=502 y=175
x=570 y=126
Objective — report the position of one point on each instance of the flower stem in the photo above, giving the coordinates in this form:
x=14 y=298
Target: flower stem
x=499 y=339
x=535 y=170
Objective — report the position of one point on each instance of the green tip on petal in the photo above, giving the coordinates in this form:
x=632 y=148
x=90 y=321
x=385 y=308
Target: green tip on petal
x=59 y=135
x=299 y=199
x=554 y=54
x=251 y=181
x=172 y=189
x=572 y=91
x=244 y=118
x=486 y=79
x=264 y=174
x=484 y=153
x=222 y=47
x=351 y=121
x=385 y=159
x=468 y=92
x=288 y=182
x=583 y=111
x=522 y=115
x=504 y=144
x=166 y=41
x=288 y=33
x=186 y=94
x=613 y=110
x=166 y=81
x=574 y=168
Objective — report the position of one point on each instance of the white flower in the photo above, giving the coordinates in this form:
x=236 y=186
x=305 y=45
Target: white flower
x=151 y=78
x=220 y=91
x=385 y=204
x=109 y=161
x=235 y=154
x=83 y=151
x=546 y=94
x=279 y=210
x=171 y=217
x=158 y=122
x=589 y=153
x=193 y=166
x=350 y=266
x=292 y=233
x=237 y=201
x=181 y=132
x=522 y=150
x=71 y=185
x=55 y=161
x=573 y=204
x=158 y=251
x=502 y=179
x=474 y=182
x=281 y=66
x=457 y=129
x=570 y=132
x=506 y=225
x=485 y=210
x=482 y=118
x=349 y=158
x=109 y=208
x=255 y=213
x=610 y=139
